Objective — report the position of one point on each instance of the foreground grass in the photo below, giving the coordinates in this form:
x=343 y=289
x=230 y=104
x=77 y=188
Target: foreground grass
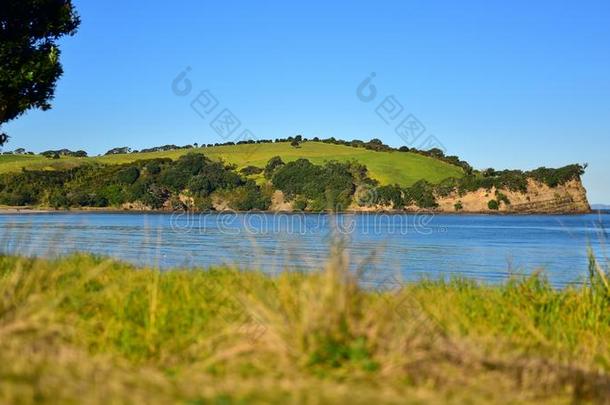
x=402 y=168
x=85 y=329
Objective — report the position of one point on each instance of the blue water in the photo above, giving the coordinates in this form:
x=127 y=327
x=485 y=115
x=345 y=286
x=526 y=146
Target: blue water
x=487 y=248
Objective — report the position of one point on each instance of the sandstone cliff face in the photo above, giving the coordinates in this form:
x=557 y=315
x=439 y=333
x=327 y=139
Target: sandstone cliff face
x=570 y=197
x=135 y=206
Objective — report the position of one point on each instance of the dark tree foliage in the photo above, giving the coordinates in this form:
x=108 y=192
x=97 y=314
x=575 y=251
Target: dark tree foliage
x=251 y=170
x=64 y=152
x=516 y=180
x=26 y=188
x=390 y=195
x=339 y=185
x=376 y=145
x=156 y=183
x=555 y=177
x=421 y=194
x=123 y=150
x=502 y=198
x=298 y=177
x=436 y=152
x=273 y=164
x=128 y=175
x=29 y=57
x=360 y=173
x=248 y=197
x=153 y=167
x=330 y=186
x=356 y=143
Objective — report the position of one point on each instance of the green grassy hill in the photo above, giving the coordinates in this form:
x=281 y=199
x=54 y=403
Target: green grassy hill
x=404 y=168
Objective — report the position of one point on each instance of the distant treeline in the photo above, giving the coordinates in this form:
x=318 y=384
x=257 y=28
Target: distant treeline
x=194 y=182
x=374 y=144
x=125 y=149
x=18 y=151
x=56 y=154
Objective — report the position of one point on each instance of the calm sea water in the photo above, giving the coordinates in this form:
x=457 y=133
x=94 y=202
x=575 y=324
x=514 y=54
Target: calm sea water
x=487 y=248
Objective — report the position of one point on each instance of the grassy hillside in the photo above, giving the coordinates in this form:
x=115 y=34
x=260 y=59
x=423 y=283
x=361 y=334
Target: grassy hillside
x=85 y=329
x=403 y=168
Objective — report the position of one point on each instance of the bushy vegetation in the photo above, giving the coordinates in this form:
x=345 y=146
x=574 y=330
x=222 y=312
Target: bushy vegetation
x=391 y=195
x=555 y=177
x=83 y=327
x=330 y=186
x=192 y=180
x=251 y=170
x=502 y=198
x=272 y=165
x=164 y=148
x=63 y=152
x=513 y=180
x=246 y=198
x=421 y=194
x=155 y=183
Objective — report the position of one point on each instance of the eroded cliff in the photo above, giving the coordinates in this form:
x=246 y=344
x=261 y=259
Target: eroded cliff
x=570 y=197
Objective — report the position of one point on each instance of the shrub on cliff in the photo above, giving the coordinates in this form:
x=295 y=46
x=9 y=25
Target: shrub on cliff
x=502 y=198
x=555 y=177
x=517 y=180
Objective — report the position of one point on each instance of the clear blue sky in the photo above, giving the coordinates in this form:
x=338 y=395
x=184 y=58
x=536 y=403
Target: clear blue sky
x=515 y=84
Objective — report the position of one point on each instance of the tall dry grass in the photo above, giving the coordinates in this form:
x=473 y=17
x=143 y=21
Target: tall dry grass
x=88 y=329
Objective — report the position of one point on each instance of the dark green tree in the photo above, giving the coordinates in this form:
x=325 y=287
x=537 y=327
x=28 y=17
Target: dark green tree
x=273 y=164
x=29 y=56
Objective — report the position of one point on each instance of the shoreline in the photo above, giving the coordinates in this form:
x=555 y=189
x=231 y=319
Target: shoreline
x=107 y=210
